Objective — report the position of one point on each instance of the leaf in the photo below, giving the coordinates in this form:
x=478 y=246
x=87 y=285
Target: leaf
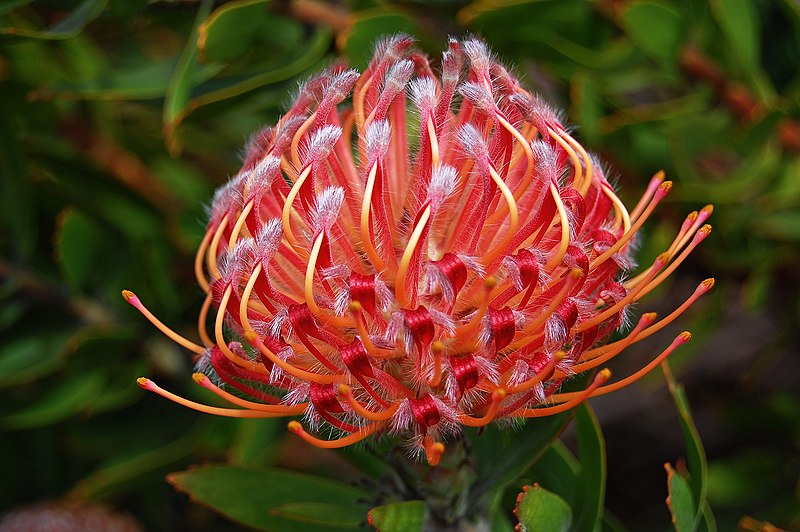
x=611 y=56
x=26 y=359
x=68 y=27
x=504 y=456
x=16 y=190
x=133 y=82
x=181 y=82
x=299 y=60
x=370 y=26
x=540 y=510
x=10 y=5
x=557 y=470
x=407 y=516
x=255 y=497
x=695 y=453
x=117 y=470
x=781 y=225
x=77 y=246
x=58 y=403
x=708 y=518
x=739 y=22
x=656 y=28
x=321 y=514
x=231 y=30
x=587 y=102
x=255 y=441
x=680 y=501
x=591 y=485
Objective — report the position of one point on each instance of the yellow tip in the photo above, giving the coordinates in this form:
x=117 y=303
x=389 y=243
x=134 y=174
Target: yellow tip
x=128 y=295
x=705 y=229
x=354 y=306
x=250 y=335
x=559 y=355
x=650 y=316
x=143 y=381
x=490 y=282
x=663 y=258
x=576 y=273
x=708 y=209
x=295 y=426
x=499 y=394
x=666 y=186
x=437 y=347
x=199 y=378
x=659 y=175
x=604 y=374
x=344 y=389
x=692 y=216
x=708 y=283
x=685 y=336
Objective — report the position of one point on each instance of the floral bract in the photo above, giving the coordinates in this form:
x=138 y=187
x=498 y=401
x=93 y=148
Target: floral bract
x=413 y=253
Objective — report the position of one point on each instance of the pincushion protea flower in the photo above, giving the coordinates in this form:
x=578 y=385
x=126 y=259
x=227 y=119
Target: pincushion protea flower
x=438 y=253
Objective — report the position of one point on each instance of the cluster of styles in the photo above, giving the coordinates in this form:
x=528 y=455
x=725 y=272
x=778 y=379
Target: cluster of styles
x=408 y=253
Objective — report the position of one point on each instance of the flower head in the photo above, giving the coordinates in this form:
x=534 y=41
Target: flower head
x=412 y=253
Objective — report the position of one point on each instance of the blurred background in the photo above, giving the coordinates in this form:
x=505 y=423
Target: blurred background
x=118 y=120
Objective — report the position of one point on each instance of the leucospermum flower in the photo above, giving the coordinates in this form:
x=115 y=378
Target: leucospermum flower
x=411 y=254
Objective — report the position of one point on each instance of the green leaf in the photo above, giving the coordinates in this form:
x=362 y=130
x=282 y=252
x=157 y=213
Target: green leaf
x=591 y=485
x=133 y=82
x=781 y=225
x=321 y=514
x=232 y=29
x=587 y=103
x=738 y=20
x=611 y=56
x=77 y=247
x=268 y=499
x=557 y=470
x=540 y=510
x=696 y=455
x=504 y=456
x=611 y=524
x=407 y=516
x=16 y=189
x=180 y=85
x=57 y=404
x=10 y=5
x=370 y=26
x=708 y=518
x=656 y=28
x=680 y=501
x=26 y=359
x=291 y=65
x=129 y=465
x=68 y=27
x=255 y=441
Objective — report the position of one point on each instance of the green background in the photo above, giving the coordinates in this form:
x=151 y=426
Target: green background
x=118 y=120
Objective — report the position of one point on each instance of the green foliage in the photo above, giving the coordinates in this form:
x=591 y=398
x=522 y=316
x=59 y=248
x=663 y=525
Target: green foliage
x=119 y=120
x=274 y=500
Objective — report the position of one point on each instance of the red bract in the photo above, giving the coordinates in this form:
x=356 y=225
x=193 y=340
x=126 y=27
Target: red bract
x=435 y=253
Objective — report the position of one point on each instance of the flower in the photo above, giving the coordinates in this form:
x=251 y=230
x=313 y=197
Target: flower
x=439 y=253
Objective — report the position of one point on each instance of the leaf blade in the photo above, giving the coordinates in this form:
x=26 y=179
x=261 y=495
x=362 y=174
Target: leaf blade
x=254 y=496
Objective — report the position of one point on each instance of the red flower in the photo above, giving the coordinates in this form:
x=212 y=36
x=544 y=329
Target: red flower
x=440 y=252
